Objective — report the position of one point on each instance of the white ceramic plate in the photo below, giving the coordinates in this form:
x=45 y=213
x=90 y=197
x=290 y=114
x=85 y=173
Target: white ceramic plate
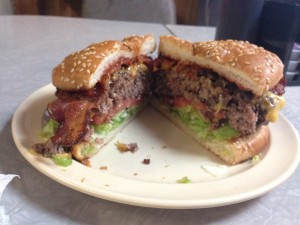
x=172 y=155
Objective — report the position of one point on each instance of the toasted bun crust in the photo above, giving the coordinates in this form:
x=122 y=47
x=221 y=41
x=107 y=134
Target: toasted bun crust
x=250 y=67
x=232 y=152
x=81 y=70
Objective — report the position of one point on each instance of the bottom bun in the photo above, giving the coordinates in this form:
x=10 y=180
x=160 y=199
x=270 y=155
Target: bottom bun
x=232 y=151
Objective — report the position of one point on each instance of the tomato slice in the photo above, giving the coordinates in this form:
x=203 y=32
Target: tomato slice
x=98 y=119
x=181 y=102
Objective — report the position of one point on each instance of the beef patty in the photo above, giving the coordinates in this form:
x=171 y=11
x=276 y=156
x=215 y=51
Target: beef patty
x=224 y=101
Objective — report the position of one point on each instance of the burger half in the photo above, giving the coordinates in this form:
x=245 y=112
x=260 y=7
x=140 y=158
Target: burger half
x=222 y=93
x=99 y=89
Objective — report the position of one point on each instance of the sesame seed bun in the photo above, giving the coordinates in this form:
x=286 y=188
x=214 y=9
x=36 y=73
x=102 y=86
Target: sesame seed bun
x=248 y=66
x=82 y=70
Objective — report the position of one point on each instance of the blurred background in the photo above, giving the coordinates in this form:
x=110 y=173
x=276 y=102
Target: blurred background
x=189 y=12
x=273 y=24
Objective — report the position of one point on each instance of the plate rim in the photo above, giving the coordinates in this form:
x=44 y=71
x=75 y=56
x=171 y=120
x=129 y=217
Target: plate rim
x=109 y=194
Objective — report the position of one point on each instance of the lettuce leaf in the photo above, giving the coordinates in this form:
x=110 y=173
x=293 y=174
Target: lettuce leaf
x=116 y=121
x=62 y=159
x=49 y=129
x=191 y=117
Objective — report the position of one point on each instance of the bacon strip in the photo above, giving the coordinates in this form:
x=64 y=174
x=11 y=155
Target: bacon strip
x=75 y=123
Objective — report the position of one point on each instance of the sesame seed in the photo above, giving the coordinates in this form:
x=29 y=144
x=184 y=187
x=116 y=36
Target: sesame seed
x=72 y=70
x=81 y=70
x=88 y=71
x=74 y=64
x=83 y=65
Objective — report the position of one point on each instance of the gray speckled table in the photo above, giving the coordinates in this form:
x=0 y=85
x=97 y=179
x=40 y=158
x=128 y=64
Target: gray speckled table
x=30 y=47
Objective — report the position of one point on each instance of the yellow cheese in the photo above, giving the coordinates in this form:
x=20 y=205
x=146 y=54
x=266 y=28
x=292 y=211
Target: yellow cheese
x=135 y=67
x=273 y=104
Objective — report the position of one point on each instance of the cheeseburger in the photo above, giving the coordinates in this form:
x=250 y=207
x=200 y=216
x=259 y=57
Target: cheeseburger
x=99 y=89
x=222 y=93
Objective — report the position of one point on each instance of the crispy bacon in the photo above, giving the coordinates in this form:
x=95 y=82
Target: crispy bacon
x=56 y=110
x=278 y=89
x=74 y=124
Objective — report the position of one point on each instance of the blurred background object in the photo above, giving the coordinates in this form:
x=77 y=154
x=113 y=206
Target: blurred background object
x=239 y=20
x=272 y=24
x=186 y=12
x=47 y=7
x=278 y=30
x=157 y=11
x=5 y=7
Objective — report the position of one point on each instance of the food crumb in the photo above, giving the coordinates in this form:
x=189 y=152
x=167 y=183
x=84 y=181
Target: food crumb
x=146 y=161
x=183 y=180
x=256 y=159
x=82 y=179
x=106 y=185
x=131 y=147
x=164 y=147
x=166 y=166
x=103 y=168
x=135 y=174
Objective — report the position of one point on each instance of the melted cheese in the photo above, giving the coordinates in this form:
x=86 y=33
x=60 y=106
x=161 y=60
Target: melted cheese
x=273 y=104
x=134 y=68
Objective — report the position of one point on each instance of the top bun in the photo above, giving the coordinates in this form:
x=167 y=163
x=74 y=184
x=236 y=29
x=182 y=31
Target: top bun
x=248 y=66
x=82 y=70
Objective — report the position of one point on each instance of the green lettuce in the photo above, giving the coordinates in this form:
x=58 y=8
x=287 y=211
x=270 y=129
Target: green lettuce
x=116 y=121
x=89 y=150
x=191 y=117
x=184 y=180
x=62 y=159
x=49 y=129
